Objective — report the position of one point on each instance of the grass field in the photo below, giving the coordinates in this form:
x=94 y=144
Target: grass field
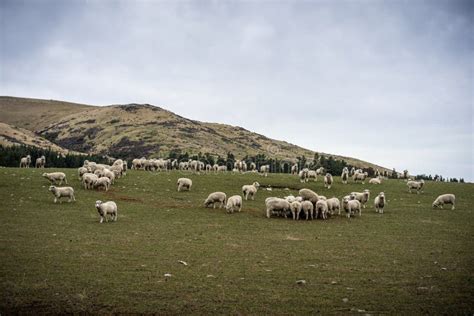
x=59 y=259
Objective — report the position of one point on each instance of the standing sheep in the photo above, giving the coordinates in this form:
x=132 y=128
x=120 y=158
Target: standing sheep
x=416 y=185
x=308 y=209
x=294 y=169
x=303 y=174
x=309 y=195
x=321 y=209
x=184 y=184
x=295 y=208
x=380 y=202
x=334 y=205
x=359 y=175
x=62 y=192
x=265 y=169
x=312 y=175
x=345 y=175
x=104 y=208
x=362 y=197
x=216 y=198
x=40 y=162
x=250 y=190
x=234 y=203
x=444 y=199
x=353 y=206
x=277 y=205
x=328 y=180
x=88 y=180
x=102 y=182
x=54 y=177
x=25 y=162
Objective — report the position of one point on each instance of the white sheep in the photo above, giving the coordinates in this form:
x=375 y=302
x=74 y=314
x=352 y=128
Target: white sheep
x=321 y=209
x=55 y=177
x=328 y=180
x=359 y=175
x=362 y=197
x=334 y=205
x=184 y=184
x=222 y=169
x=294 y=169
x=277 y=206
x=309 y=195
x=208 y=168
x=308 y=208
x=102 y=182
x=216 y=198
x=416 y=185
x=62 y=192
x=265 y=169
x=303 y=174
x=106 y=208
x=320 y=170
x=88 y=180
x=380 y=202
x=295 y=208
x=249 y=190
x=82 y=170
x=345 y=175
x=25 y=162
x=234 y=203
x=312 y=175
x=109 y=174
x=353 y=206
x=375 y=181
x=290 y=198
x=444 y=199
x=40 y=162
x=253 y=166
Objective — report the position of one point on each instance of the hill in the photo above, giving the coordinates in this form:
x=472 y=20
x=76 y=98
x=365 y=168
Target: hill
x=135 y=130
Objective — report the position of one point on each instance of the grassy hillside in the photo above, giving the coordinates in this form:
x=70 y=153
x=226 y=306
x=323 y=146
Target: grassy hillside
x=59 y=259
x=136 y=130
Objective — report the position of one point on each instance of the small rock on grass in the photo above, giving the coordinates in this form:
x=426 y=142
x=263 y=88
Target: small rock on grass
x=345 y=300
x=301 y=282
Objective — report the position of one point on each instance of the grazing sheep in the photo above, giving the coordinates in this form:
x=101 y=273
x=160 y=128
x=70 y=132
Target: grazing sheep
x=334 y=205
x=277 y=206
x=380 y=202
x=362 y=197
x=25 y=162
x=375 y=181
x=445 y=199
x=40 y=162
x=303 y=174
x=253 y=166
x=88 y=180
x=353 y=206
x=290 y=198
x=312 y=175
x=416 y=185
x=321 y=209
x=82 y=170
x=294 y=169
x=234 y=203
x=345 y=175
x=55 y=177
x=320 y=171
x=250 y=190
x=295 y=208
x=216 y=198
x=222 y=169
x=309 y=195
x=105 y=208
x=184 y=184
x=208 y=168
x=62 y=192
x=359 y=175
x=99 y=172
x=102 y=182
x=109 y=174
x=308 y=209
x=265 y=169
x=328 y=180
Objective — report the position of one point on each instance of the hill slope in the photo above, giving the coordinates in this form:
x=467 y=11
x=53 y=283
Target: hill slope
x=136 y=130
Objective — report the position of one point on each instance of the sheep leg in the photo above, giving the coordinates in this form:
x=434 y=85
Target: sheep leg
x=55 y=200
x=101 y=219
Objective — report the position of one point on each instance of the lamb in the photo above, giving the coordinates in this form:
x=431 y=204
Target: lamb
x=416 y=185
x=321 y=209
x=62 y=192
x=234 y=203
x=362 y=197
x=380 y=202
x=334 y=205
x=295 y=208
x=309 y=195
x=184 y=184
x=102 y=182
x=105 y=208
x=375 y=181
x=25 y=162
x=55 y=177
x=353 y=206
x=308 y=209
x=40 y=162
x=216 y=198
x=278 y=206
x=312 y=175
x=250 y=190
x=328 y=180
x=444 y=199
x=88 y=180
x=303 y=174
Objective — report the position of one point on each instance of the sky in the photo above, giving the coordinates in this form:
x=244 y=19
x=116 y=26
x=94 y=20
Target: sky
x=390 y=82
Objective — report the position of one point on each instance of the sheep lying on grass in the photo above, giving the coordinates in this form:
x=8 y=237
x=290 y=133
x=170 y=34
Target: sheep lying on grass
x=444 y=199
x=380 y=202
x=375 y=181
x=184 y=184
x=234 y=203
x=216 y=198
x=106 y=208
x=249 y=190
x=55 y=177
x=62 y=192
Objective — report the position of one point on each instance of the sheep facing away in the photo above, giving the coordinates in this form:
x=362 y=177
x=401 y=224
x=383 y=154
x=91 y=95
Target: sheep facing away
x=234 y=203
x=333 y=206
x=308 y=209
x=184 y=184
x=106 y=208
x=249 y=190
x=62 y=192
x=380 y=202
x=295 y=208
x=445 y=199
x=55 y=177
x=416 y=185
x=216 y=198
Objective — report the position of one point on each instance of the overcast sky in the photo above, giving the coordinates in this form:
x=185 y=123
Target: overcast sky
x=390 y=82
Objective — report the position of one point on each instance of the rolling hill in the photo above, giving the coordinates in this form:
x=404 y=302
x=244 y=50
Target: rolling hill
x=135 y=130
